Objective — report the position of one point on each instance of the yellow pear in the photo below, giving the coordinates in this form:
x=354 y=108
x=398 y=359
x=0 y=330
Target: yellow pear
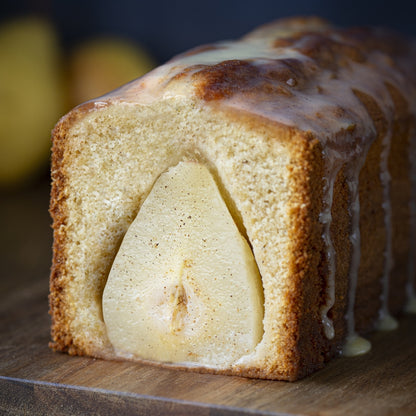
x=31 y=97
x=102 y=64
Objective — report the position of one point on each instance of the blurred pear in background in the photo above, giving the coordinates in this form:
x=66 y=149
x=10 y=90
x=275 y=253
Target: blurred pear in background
x=100 y=65
x=39 y=84
x=31 y=97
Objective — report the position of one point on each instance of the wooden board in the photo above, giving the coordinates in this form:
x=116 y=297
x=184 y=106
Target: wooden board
x=35 y=380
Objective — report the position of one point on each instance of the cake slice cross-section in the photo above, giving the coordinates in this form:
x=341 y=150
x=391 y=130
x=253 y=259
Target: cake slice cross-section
x=247 y=208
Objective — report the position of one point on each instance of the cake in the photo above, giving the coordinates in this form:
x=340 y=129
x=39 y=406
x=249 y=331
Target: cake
x=247 y=208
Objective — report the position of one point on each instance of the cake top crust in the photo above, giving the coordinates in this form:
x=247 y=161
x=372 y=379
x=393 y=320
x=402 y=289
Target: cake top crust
x=299 y=72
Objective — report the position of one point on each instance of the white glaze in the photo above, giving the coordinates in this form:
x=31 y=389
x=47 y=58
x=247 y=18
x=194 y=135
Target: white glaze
x=333 y=164
x=386 y=321
x=355 y=345
x=355 y=239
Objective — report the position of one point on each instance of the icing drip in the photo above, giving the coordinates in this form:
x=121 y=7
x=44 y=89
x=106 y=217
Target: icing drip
x=386 y=321
x=376 y=87
x=411 y=304
x=355 y=345
x=349 y=347
x=333 y=165
x=410 y=288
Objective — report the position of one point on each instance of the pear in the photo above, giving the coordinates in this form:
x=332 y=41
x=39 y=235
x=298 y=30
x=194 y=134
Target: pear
x=31 y=97
x=184 y=286
x=99 y=65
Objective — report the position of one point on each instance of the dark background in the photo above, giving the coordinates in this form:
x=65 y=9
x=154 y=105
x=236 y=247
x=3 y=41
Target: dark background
x=168 y=27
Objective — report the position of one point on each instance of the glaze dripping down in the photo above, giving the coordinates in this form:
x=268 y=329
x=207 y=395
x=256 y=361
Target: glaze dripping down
x=350 y=346
x=386 y=321
x=333 y=164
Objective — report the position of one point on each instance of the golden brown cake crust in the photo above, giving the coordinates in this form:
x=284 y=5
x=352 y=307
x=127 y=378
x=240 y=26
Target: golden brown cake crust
x=303 y=321
x=61 y=335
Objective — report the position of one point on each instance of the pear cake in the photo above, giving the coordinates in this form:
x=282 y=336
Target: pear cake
x=247 y=208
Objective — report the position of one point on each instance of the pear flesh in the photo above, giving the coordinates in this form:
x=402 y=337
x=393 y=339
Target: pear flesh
x=184 y=286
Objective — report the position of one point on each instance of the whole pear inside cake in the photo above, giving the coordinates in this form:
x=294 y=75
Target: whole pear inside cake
x=184 y=286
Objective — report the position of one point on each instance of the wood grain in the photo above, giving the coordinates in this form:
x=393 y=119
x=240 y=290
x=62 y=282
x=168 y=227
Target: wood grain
x=34 y=380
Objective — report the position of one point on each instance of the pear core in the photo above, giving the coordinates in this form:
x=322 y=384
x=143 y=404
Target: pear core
x=184 y=286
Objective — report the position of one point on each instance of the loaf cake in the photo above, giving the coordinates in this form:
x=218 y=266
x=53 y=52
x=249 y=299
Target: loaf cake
x=247 y=208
